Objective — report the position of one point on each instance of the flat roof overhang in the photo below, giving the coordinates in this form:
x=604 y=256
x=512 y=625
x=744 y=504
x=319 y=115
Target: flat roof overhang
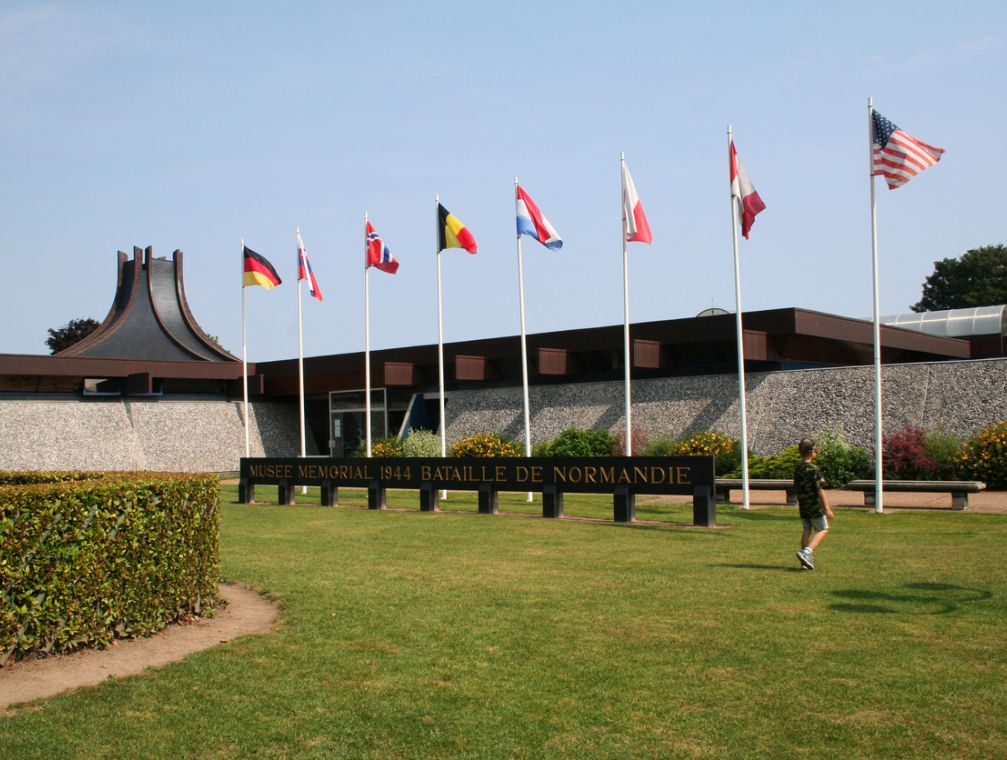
x=773 y=339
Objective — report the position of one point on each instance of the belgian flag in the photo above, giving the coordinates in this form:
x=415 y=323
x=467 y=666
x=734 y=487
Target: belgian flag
x=258 y=271
x=452 y=233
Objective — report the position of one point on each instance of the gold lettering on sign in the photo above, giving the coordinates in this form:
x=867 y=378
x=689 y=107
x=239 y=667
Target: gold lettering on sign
x=255 y=470
x=521 y=473
x=424 y=472
x=536 y=474
x=559 y=473
x=500 y=473
x=639 y=474
x=683 y=475
x=589 y=474
x=657 y=475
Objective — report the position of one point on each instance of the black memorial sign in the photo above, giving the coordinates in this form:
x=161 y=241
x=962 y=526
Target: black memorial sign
x=623 y=477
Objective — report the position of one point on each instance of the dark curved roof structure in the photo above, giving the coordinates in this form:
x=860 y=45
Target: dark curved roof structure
x=149 y=318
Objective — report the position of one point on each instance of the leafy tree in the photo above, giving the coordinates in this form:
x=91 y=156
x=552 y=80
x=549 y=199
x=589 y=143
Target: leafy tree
x=72 y=332
x=979 y=278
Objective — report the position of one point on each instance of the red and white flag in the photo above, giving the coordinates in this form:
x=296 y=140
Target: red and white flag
x=749 y=202
x=304 y=271
x=636 y=227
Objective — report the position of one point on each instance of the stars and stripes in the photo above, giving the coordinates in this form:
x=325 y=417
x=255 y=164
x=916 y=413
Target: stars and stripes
x=897 y=156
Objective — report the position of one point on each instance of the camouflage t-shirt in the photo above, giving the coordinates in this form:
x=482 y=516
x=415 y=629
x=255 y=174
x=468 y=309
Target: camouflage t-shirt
x=807 y=480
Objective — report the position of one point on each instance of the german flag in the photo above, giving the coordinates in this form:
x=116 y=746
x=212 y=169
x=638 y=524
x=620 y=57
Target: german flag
x=452 y=233
x=258 y=271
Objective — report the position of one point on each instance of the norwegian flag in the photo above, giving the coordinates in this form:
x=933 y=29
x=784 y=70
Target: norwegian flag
x=378 y=254
x=304 y=269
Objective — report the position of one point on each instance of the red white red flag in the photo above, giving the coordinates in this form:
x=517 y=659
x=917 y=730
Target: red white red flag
x=635 y=223
x=749 y=202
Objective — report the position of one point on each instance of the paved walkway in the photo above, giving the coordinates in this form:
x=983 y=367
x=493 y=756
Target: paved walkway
x=984 y=501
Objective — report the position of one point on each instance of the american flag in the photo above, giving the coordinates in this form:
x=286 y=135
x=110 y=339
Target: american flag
x=897 y=156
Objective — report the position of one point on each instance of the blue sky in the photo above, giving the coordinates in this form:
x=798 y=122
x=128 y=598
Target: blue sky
x=194 y=125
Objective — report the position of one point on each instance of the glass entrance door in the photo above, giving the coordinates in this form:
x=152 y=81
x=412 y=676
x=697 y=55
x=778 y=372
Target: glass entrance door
x=347 y=430
x=347 y=427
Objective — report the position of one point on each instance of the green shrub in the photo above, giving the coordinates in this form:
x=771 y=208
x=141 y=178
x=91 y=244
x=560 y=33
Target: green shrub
x=89 y=559
x=780 y=465
x=840 y=461
x=984 y=456
x=942 y=447
x=574 y=442
x=486 y=445
x=421 y=443
x=662 y=446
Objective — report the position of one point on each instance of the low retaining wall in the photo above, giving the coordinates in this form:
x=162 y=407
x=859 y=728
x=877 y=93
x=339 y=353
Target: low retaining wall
x=162 y=435
x=960 y=397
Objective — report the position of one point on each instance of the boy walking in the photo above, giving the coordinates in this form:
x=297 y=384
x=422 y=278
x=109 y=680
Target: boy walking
x=813 y=504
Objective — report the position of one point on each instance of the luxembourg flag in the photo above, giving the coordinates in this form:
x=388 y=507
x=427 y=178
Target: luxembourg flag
x=378 y=254
x=304 y=269
x=637 y=228
x=532 y=223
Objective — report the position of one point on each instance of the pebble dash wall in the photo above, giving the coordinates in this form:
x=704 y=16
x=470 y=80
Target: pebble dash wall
x=165 y=435
x=207 y=436
x=960 y=397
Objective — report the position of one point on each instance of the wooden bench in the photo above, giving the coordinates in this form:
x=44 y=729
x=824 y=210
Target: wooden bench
x=959 y=489
x=724 y=486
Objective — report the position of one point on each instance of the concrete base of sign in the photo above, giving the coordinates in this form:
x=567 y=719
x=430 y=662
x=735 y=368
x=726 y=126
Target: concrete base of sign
x=377 y=497
x=552 y=501
x=625 y=505
x=489 y=502
x=430 y=498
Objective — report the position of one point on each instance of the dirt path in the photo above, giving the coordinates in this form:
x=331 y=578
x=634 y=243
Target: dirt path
x=246 y=612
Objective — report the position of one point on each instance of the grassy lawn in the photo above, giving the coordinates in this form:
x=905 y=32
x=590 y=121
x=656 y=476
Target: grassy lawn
x=461 y=635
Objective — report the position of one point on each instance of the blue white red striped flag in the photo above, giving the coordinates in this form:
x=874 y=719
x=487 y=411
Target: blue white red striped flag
x=304 y=271
x=378 y=254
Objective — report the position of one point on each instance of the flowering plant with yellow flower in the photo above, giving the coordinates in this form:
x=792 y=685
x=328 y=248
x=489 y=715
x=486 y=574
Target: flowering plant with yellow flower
x=486 y=445
x=984 y=456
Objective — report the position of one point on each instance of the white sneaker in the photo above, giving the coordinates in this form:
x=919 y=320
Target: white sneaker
x=806 y=558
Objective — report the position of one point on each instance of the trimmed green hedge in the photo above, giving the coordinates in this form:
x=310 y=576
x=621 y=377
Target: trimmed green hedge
x=89 y=557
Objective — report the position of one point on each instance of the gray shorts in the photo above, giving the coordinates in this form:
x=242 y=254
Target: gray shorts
x=817 y=524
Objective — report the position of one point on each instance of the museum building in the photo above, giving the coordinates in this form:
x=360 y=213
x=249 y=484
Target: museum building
x=149 y=389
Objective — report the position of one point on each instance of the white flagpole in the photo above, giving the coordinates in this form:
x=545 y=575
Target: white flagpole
x=300 y=347
x=745 y=503
x=244 y=350
x=878 y=469
x=524 y=348
x=440 y=338
x=625 y=310
x=367 y=342
x=300 y=353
